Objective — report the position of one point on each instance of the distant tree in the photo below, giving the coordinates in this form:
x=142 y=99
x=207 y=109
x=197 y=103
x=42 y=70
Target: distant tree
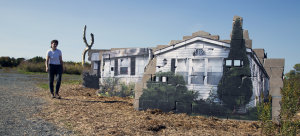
x=20 y=60
x=37 y=59
x=5 y=61
x=235 y=88
x=13 y=62
x=295 y=72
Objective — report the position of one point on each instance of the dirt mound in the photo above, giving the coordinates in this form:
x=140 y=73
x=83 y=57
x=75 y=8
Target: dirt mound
x=81 y=110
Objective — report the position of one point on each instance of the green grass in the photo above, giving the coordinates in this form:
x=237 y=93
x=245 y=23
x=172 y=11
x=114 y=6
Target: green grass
x=43 y=85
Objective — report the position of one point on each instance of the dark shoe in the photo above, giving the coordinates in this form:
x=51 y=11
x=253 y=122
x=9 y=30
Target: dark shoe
x=57 y=96
x=52 y=95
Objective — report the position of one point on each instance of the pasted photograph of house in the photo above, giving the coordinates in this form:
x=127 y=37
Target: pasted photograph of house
x=200 y=74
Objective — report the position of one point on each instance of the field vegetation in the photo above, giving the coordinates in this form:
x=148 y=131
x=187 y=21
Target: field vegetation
x=37 y=65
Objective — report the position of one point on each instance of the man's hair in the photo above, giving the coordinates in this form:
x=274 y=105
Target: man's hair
x=53 y=41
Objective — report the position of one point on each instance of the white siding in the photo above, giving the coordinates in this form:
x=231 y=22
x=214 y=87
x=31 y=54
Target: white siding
x=259 y=80
x=140 y=63
x=209 y=63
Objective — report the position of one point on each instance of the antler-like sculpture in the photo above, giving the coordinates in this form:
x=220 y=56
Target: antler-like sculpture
x=88 y=47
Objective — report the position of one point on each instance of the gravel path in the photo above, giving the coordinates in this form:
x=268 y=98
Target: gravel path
x=17 y=104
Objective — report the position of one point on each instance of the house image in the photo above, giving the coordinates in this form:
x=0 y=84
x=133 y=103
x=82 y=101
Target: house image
x=206 y=64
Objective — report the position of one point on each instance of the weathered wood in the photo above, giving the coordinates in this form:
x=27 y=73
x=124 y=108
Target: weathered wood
x=88 y=46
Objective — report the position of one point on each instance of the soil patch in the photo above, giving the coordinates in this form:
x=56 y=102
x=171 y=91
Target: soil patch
x=81 y=110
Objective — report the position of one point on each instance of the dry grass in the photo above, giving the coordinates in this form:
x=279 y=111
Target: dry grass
x=87 y=114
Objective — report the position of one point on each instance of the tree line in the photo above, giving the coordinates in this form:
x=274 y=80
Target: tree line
x=13 y=62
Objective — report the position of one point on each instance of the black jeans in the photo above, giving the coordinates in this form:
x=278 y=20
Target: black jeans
x=54 y=70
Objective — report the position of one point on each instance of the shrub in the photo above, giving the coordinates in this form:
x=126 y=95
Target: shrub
x=113 y=86
x=37 y=59
x=5 y=61
x=233 y=89
x=174 y=91
x=290 y=105
x=108 y=86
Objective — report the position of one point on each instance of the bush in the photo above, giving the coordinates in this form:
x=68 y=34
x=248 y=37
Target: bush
x=5 y=61
x=10 y=62
x=37 y=59
x=174 y=91
x=32 y=67
x=290 y=105
x=114 y=87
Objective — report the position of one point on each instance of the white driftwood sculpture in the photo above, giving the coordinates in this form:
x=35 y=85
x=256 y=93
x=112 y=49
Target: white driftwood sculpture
x=88 y=47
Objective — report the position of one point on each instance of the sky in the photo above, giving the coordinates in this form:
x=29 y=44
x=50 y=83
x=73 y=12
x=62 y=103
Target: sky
x=28 y=27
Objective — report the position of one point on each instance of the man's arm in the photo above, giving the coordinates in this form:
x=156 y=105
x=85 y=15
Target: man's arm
x=46 y=63
x=61 y=63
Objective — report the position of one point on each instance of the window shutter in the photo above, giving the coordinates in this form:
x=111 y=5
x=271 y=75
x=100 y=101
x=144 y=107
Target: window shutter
x=173 y=65
x=116 y=67
x=98 y=68
x=132 y=66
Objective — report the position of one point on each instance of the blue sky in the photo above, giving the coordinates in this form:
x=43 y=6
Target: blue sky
x=27 y=27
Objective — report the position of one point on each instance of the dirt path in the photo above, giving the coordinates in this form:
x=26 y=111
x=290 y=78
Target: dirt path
x=18 y=104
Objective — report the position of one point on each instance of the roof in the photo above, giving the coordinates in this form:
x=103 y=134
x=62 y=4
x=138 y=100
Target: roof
x=193 y=39
x=126 y=52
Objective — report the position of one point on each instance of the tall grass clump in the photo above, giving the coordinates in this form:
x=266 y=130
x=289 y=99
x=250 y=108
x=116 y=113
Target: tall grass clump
x=37 y=64
x=289 y=105
x=264 y=110
x=115 y=87
x=28 y=66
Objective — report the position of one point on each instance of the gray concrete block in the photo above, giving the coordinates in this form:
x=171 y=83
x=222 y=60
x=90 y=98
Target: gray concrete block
x=276 y=82
x=269 y=72
x=235 y=17
x=200 y=33
x=159 y=47
x=184 y=107
x=277 y=72
x=260 y=53
x=187 y=37
x=214 y=37
x=138 y=94
x=261 y=60
x=136 y=103
x=166 y=105
x=148 y=104
x=248 y=43
x=174 y=42
x=275 y=114
x=226 y=41
x=279 y=63
x=275 y=102
x=275 y=119
x=245 y=34
x=275 y=91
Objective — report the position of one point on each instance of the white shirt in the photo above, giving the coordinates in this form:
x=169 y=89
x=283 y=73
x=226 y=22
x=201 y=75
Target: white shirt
x=54 y=56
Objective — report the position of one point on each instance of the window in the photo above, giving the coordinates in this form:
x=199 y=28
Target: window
x=124 y=64
x=228 y=63
x=96 y=65
x=237 y=63
x=124 y=70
